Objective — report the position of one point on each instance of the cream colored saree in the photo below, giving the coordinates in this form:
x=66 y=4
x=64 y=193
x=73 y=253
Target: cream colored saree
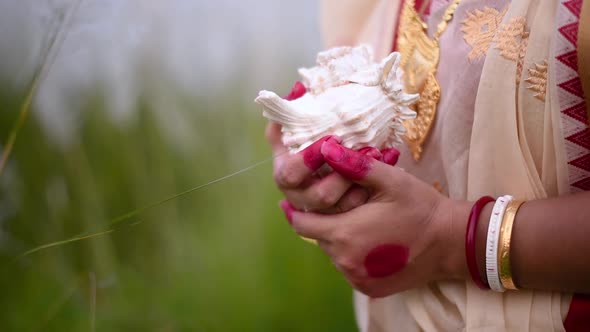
x=511 y=120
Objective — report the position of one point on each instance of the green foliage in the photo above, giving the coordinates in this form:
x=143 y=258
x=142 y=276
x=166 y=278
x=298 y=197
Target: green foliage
x=219 y=259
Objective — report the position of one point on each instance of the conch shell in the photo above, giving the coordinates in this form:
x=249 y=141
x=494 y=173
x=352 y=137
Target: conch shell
x=348 y=95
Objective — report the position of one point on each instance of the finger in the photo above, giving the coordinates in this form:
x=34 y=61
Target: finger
x=358 y=167
x=288 y=209
x=321 y=195
x=332 y=193
x=355 y=197
x=308 y=224
x=372 y=152
x=390 y=156
x=325 y=246
x=273 y=136
x=297 y=91
x=292 y=170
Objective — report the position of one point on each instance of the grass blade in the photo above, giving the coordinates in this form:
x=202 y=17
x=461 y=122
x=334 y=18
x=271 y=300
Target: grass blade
x=120 y=220
x=42 y=70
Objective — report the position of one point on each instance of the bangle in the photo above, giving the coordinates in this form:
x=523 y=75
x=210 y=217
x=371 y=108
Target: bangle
x=470 y=241
x=504 y=250
x=496 y=217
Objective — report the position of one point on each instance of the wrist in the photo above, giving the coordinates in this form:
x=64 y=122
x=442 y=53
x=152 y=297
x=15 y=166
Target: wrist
x=452 y=239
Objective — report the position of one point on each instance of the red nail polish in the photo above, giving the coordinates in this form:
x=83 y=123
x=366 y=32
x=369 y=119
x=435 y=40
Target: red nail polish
x=312 y=155
x=385 y=260
x=334 y=139
x=372 y=152
x=333 y=152
x=297 y=91
x=353 y=165
x=288 y=210
x=390 y=156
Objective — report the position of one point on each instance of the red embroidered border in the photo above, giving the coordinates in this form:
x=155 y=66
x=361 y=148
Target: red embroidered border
x=574 y=118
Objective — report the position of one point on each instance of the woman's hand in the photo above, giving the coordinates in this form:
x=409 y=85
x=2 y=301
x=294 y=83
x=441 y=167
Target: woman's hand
x=406 y=235
x=298 y=178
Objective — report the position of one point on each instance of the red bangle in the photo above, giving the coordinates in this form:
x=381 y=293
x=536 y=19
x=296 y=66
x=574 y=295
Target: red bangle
x=470 y=241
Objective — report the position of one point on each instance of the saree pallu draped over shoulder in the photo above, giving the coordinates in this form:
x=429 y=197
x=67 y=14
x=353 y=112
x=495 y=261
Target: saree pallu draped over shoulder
x=512 y=119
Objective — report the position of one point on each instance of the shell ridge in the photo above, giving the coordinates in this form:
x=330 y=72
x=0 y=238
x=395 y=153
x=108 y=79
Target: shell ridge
x=349 y=95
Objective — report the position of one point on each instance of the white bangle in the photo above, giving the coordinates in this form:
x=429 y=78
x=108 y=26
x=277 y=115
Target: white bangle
x=492 y=243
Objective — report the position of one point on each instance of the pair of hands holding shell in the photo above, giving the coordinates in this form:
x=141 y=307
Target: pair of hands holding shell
x=385 y=230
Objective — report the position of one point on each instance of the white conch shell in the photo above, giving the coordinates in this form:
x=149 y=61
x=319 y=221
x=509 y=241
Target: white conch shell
x=348 y=95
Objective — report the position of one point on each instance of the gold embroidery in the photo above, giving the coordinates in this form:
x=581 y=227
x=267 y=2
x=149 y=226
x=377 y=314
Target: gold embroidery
x=420 y=56
x=418 y=128
x=479 y=28
x=520 y=63
x=538 y=80
x=510 y=37
x=512 y=41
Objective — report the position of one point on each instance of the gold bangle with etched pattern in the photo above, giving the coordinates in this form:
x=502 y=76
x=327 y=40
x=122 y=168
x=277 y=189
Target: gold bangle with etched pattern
x=504 y=248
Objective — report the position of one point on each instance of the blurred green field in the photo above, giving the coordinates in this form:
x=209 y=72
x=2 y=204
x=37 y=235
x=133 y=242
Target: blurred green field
x=219 y=259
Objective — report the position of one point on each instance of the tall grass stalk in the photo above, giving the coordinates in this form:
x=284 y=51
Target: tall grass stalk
x=120 y=220
x=47 y=59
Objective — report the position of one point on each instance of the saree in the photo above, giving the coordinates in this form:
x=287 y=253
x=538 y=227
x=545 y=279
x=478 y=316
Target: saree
x=512 y=119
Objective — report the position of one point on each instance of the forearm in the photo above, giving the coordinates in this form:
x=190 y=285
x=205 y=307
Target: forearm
x=550 y=245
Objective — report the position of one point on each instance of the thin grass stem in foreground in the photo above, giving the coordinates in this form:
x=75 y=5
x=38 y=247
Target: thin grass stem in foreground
x=40 y=73
x=115 y=223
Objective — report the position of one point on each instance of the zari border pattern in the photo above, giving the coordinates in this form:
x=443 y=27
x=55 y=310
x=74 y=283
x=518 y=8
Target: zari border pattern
x=584 y=50
x=574 y=118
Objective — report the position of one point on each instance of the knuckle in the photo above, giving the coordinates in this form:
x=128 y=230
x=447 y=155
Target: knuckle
x=286 y=177
x=275 y=177
x=355 y=199
x=342 y=237
x=325 y=198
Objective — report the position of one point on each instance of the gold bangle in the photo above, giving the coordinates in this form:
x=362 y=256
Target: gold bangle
x=504 y=248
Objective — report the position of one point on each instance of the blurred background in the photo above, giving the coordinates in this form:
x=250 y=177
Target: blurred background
x=139 y=100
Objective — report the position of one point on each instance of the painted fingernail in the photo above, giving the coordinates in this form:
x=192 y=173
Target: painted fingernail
x=297 y=91
x=333 y=152
x=334 y=139
x=385 y=260
x=288 y=210
x=353 y=165
x=312 y=155
x=372 y=152
x=390 y=156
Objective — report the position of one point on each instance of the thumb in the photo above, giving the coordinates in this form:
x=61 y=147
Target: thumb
x=356 y=166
